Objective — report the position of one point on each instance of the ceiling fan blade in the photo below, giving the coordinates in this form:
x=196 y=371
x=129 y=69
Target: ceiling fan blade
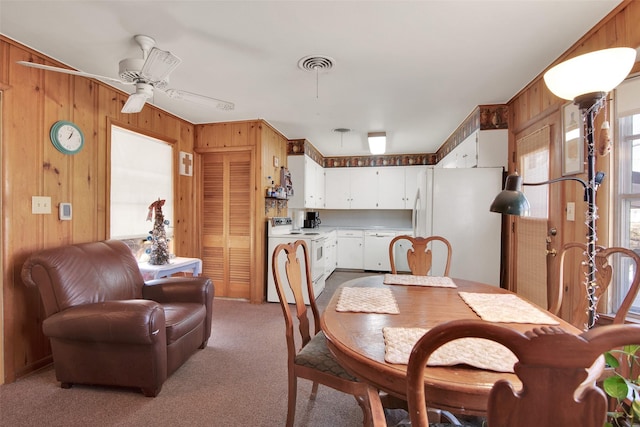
x=134 y=104
x=159 y=64
x=200 y=99
x=73 y=72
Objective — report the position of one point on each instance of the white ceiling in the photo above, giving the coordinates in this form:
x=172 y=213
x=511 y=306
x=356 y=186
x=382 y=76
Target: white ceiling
x=414 y=69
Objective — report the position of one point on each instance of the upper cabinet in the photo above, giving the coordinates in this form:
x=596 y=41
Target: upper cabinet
x=390 y=187
x=482 y=149
x=307 y=177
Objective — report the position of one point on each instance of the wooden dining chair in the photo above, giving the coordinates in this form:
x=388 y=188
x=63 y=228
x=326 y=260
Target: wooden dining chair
x=604 y=276
x=313 y=360
x=552 y=365
x=419 y=256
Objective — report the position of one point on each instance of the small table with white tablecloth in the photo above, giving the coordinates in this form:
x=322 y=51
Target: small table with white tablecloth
x=176 y=265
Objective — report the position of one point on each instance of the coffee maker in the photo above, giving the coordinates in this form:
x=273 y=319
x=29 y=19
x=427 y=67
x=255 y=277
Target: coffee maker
x=312 y=220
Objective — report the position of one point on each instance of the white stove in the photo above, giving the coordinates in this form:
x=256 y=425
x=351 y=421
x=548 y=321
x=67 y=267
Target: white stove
x=280 y=230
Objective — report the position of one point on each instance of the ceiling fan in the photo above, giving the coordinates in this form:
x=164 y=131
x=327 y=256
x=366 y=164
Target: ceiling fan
x=149 y=73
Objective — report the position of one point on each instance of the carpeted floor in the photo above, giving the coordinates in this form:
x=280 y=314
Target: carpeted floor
x=240 y=379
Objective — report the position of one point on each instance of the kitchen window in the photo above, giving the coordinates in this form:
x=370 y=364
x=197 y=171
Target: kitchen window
x=626 y=208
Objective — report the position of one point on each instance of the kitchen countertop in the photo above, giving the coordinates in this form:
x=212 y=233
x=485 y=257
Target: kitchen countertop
x=324 y=229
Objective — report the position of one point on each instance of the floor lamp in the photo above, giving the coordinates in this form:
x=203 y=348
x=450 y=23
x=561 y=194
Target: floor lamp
x=586 y=80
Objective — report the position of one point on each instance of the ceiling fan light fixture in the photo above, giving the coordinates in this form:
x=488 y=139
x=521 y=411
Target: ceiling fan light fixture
x=377 y=142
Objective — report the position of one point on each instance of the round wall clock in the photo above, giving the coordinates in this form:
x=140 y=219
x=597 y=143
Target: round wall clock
x=67 y=137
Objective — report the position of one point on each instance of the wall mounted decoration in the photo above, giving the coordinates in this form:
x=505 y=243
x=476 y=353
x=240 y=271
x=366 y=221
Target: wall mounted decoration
x=572 y=140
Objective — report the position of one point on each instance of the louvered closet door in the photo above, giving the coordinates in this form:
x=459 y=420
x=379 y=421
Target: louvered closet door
x=227 y=222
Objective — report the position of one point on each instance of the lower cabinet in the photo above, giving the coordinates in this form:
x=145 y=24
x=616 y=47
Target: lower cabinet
x=331 y=253
x=351 y=249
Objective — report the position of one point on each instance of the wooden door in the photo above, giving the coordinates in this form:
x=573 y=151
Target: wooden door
x=531 y=233
x=227 y=226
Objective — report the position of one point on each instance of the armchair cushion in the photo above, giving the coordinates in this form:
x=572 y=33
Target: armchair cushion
x=126 y=322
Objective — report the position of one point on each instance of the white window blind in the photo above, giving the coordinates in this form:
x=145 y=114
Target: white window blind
x=141 y=173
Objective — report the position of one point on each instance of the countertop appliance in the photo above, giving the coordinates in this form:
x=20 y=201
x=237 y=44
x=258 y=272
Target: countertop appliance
x=454 y=203
x=312 y=220
x=280 y=230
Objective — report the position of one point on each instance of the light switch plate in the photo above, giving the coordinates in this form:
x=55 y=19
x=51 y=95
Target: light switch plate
x=571 y=211
x=40 y=205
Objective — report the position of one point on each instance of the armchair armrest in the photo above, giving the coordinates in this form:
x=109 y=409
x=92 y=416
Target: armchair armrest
x=135 y=321
x=183 y=289
x=179 y=289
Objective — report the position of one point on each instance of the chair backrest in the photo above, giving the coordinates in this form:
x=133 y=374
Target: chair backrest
x=83 y=273
x=604 y=275
x=295 y=275
x=552 y=365
x=419 y=257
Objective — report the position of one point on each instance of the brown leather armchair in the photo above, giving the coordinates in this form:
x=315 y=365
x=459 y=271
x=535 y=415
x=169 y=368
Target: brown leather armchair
x=107 y=326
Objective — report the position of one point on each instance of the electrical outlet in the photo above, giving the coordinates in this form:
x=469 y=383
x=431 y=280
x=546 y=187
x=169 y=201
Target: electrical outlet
x=40 y=205
x=571 y=211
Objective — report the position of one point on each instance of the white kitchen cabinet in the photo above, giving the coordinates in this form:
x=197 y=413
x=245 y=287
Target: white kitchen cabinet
x=337 y=188
x=364 y=188
x=411 y=185
x=483 y=149
x=331 y=254
x=351 y=249
x=368 y=188
x=307 y=177
x=391 y=187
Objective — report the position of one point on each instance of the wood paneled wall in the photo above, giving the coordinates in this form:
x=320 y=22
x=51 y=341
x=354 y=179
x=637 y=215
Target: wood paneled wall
x=535 y=106
x=266 y=142
x=32 y=101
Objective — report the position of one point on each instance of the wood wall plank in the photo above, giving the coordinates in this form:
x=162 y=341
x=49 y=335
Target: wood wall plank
x=535 y=106
x=32 y=101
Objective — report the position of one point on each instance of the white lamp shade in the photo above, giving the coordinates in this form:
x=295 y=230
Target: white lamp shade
x=377 y=142
x=599 y=71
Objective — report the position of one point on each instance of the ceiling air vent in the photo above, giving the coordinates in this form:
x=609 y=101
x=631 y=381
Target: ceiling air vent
x=316 y=63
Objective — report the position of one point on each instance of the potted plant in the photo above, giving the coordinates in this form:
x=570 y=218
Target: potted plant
x=623 y=386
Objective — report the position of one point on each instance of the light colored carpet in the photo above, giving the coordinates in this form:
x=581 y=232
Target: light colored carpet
x=240 y=379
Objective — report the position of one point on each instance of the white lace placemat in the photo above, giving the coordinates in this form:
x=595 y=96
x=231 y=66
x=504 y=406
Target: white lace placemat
x=367 y=300
x=408 y=279
x=505 y=308
x=478 y=352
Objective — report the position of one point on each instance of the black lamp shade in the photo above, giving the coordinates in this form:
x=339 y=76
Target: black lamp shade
x=511 y=200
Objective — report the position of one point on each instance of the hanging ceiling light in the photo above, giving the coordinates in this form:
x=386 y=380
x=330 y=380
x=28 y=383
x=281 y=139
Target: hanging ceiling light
x=342 y=131
x=377 y=142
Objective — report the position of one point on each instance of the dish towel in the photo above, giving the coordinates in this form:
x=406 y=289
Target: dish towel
x=367 y=300
x=509 y=308
x=410 y=280
x=478 y=352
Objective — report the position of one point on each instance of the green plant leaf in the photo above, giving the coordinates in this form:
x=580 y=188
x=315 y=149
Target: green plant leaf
x=611 y=360
x=636 y=409
x=616 y=387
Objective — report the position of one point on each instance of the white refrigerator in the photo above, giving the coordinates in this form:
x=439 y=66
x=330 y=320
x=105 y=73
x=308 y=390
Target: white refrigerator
x=454 y=203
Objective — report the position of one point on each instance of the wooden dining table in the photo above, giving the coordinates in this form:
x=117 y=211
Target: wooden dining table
x=356 y=340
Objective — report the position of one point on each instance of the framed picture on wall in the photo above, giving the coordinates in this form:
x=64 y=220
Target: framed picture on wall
x=572 y=140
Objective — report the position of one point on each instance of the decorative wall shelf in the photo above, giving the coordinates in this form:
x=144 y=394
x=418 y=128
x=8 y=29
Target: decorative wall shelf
x=274 y=203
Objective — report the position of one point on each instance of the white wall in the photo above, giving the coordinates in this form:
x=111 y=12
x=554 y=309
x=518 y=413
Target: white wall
x=366 y=218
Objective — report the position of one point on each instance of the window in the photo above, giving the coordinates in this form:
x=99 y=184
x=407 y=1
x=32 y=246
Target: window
x=627 y=204
x=141 y=173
